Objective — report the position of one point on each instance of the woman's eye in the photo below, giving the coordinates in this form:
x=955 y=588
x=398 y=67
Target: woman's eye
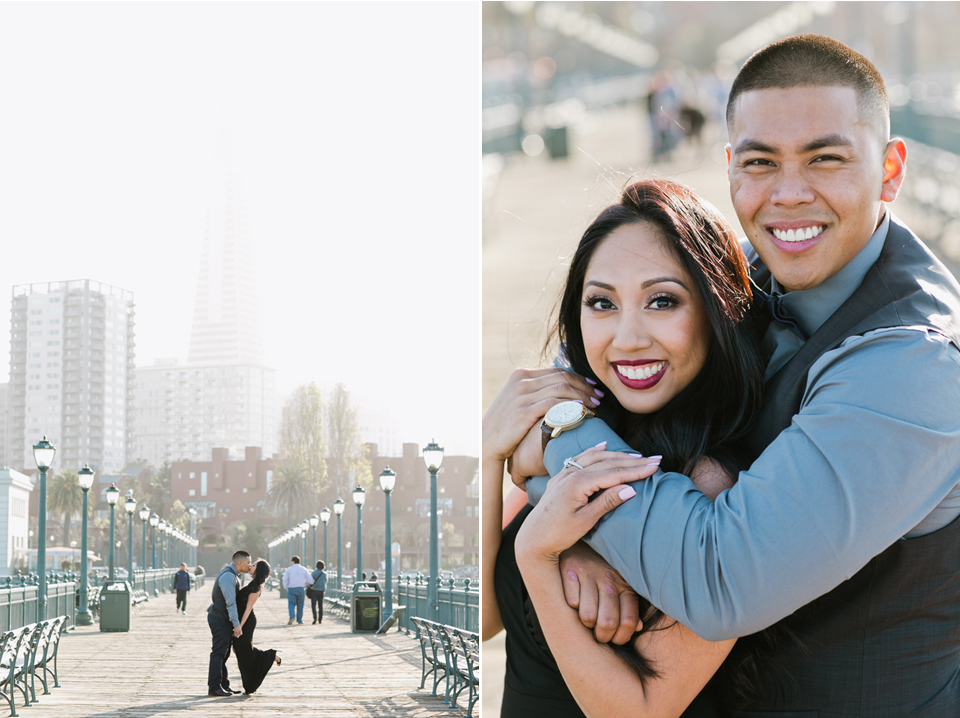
x=600 y=303
x=662 y=302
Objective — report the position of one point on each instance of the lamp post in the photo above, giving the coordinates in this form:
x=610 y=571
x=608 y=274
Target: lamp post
x=193 y=535
x=85 y=475
x=433 y=457
x=296 y=539
x=325 y=517
x=130 y=505
x=166 y=544
x=154 y=520
x=314 y=521
x=304 y=527
x=338 y=507
x=43 y=453
x=113 y=494
x=359 y=496
x=388 y=479
x=162 y=528
x=144 y=515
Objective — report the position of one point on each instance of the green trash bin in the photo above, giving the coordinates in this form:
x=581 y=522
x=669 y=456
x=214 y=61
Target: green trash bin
x=365 y=603
x=115 y=604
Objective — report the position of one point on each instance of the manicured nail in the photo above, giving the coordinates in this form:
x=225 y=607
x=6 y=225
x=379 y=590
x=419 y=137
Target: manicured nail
x=626 y=492
x=590 y=381
x=578 y=401
x=598 y=392
x=655 y=457
x=638 y=456
x=600 y=445
x=595 y=400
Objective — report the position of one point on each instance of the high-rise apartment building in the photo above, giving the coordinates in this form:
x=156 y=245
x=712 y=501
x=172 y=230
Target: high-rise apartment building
x=71 y=361
x=224 y=396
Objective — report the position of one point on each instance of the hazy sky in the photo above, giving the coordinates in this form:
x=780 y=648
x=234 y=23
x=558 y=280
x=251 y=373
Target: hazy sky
x=355 y=127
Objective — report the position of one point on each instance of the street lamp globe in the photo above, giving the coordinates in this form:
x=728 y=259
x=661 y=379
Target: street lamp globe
x=304 y=525
x=144 y=513
x=338 y=506
x=130 y=504
x=314 y=521
x=433 y=455
x=113 y=494
x=85 y=476
x=43 y=453
x=359 y=496
x=154 y=520
x=388 y=479
x=169 y=529
x=297 y=530
x=73 y=544
x=324 y=514
x=162 y=525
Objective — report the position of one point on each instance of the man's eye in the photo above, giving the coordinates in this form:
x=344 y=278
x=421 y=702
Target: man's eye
x=758 y=162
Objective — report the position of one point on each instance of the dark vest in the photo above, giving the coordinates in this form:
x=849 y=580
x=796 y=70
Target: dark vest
x=885 y=643
x=219 y=605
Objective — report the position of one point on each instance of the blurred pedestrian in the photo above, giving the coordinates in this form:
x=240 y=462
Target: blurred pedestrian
x=181 y=584
x=295 y=580
x=316 y=592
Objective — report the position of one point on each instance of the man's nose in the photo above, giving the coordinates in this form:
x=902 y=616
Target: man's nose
x=791 y=187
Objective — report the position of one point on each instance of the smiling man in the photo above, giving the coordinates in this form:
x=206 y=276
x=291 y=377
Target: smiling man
x=843 y=531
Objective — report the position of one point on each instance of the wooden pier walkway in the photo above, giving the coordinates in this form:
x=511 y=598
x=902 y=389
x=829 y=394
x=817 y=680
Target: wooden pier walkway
x=159 y=668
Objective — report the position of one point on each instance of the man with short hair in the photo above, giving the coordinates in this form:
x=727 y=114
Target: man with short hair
x=295 y=580
x=181 y=584
x=843 y=530
x=224 y=622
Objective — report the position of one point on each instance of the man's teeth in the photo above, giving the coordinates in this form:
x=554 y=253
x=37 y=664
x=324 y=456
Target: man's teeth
x=641 y=372
x=797 y=235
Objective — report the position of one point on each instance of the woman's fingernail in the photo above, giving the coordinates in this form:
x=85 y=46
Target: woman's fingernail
x=590 y=381
x=601 y=444
x=598 y=392
x=595 y=400
x=626 y=492
x=636 y=456
x=658 y=457
x=572 y=575
x=578 y=401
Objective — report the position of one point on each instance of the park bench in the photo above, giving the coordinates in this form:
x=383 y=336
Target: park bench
x=464 y=657
x=432 y=652
x=139 y=597
x=45 y=653
x=24 y=652
x=14 y=647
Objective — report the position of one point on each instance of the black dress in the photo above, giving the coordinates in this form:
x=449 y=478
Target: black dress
x=533 y=685
x=253 y=663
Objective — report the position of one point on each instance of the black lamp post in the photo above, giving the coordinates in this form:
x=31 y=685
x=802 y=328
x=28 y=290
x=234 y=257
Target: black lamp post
x=130 y=505
x=388 y=479
x=85 y=475
x=325 y=517
x=43 y=453
x=338 y=507
x=433 y=457
x=154 y=520
x=113 y=494
x=359 y=496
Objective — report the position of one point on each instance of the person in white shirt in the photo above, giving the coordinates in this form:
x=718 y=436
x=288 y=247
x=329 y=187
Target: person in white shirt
x=295 y=580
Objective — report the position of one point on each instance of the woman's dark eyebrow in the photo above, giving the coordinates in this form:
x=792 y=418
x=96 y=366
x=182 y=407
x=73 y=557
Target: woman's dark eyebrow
x=647 y=284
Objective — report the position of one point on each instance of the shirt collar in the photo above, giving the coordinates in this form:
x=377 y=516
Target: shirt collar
x=812 y=307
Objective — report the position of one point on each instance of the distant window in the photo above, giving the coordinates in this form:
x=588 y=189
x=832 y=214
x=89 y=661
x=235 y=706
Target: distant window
x=192 y=492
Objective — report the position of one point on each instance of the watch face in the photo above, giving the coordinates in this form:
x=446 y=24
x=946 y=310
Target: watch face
x=564 y=413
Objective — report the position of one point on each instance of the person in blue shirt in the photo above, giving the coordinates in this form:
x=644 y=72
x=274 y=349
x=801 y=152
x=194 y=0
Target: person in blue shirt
x=181 y=584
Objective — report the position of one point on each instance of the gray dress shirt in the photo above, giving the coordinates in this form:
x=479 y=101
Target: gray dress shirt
x=872 y=457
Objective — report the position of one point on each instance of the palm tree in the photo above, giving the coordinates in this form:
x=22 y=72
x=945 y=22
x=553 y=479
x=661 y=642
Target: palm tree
x=65 y=497
x=293 y=492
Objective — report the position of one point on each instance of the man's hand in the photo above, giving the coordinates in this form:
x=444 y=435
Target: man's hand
x=605 y=601
x=527 y=459
x=237 y=631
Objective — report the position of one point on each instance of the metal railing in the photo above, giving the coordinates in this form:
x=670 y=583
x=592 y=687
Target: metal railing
x=18 y=599
x=458 y=602
x=158 y=580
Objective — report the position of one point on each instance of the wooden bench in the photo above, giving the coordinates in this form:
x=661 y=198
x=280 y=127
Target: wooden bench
x=465 y=659
x=138 y=597
x=431 y=661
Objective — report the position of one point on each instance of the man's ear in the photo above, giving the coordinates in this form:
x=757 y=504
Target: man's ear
x=727 y=150
x=894 y=169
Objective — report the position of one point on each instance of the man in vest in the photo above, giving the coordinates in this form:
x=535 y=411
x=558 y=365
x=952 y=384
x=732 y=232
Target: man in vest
x=224 y=622
x=843 y=529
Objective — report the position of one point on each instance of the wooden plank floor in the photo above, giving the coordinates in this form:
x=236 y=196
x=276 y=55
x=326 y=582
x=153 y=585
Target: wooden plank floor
x=159 y=668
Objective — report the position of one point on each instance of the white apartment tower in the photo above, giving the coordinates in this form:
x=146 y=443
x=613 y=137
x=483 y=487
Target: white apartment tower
x=223 y=396
x=71 y=361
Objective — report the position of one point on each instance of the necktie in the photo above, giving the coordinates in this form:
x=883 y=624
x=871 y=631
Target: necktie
x=772 y=304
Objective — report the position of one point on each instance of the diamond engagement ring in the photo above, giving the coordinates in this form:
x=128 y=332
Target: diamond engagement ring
x=567 y=463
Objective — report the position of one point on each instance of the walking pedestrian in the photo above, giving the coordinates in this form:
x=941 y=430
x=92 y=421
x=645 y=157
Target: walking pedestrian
x=181 y=584
x=224 y=622
x=316 y=592
x=295 y=580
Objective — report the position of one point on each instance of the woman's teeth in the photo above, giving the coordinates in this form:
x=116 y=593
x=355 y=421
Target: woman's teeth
x=797 y=235
x=640 y=372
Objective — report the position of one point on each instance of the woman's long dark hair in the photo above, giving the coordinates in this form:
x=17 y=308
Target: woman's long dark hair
x=712 y=415
x=260 y=574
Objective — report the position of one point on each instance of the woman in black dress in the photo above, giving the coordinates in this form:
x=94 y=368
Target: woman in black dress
x=253 y=663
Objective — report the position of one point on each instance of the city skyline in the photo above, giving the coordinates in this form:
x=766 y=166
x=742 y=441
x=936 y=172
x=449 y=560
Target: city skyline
x=360 y=193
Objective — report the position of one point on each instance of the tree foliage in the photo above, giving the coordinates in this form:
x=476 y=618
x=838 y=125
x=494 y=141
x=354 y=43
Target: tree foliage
x=64 y=496
x=248 y=535
x=292 y=493
x=347 y=462
x=301 y=433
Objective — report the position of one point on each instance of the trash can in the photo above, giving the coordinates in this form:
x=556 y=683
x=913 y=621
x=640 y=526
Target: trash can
x=115 y=606
x=365 y=602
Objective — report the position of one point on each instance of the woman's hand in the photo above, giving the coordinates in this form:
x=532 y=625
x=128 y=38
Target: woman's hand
x=565 y=513
x=525 y=399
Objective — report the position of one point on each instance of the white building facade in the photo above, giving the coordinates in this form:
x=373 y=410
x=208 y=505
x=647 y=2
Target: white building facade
x=15 y=491
x=71 y=364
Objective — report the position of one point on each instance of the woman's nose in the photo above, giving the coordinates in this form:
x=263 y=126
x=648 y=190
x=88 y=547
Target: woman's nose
x=632 y=333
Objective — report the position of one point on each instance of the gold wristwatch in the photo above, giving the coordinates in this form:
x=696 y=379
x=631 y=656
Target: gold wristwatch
x=564 y=416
